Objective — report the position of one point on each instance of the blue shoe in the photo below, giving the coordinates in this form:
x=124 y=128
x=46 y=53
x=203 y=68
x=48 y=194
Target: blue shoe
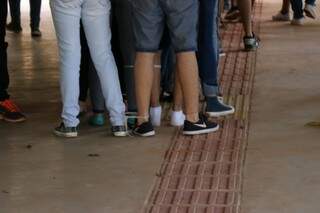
x=97 y=120
x=215 y=108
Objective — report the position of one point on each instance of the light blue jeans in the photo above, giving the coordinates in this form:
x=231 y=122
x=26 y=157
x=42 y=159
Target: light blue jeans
x=95 y=15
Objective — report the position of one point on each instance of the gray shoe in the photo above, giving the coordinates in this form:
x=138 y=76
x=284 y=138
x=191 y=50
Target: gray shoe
x=251 y=43
x=310 y=11
x=67 y=132
x=36 y=33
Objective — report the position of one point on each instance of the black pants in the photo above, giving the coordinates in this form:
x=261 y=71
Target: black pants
x=35 y=9
x=4 y=77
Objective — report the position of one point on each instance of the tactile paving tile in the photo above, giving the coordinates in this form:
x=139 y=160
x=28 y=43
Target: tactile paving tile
x=203 y=174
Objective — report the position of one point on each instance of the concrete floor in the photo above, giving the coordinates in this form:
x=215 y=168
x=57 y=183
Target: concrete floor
x=282 y=173
x=41 y=173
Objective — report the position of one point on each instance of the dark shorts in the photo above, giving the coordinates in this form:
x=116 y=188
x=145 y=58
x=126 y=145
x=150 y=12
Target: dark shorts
x=151 y=17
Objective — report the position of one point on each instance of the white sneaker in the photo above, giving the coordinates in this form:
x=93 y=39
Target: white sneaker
x=281 y=17
x=155 y=115
x=297 y=21
x=310 y=11
x=177 y=118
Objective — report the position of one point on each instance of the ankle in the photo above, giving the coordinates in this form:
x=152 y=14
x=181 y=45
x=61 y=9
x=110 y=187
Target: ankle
x=192 y=117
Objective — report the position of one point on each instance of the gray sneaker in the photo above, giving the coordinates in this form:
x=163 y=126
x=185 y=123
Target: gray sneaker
x=251 y=43
x=67 y=132
x=310 y=11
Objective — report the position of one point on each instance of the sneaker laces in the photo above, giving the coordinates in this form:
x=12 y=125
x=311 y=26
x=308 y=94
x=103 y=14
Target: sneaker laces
x=10 y=106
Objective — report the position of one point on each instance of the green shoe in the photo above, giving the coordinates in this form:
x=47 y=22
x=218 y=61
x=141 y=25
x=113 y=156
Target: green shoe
x=97 y=120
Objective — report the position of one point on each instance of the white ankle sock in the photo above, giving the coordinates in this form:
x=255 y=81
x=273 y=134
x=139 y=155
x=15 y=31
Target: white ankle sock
x=155 y=115
x=177 y=118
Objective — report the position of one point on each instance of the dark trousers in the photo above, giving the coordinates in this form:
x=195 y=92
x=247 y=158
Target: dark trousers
x=4 y=77
x=208 y=46
x=35 y=9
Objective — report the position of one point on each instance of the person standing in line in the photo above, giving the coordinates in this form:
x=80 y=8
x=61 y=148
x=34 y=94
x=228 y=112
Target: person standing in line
x=95 y=17
x=35 y=10
x=8 y=110
x=181 y=16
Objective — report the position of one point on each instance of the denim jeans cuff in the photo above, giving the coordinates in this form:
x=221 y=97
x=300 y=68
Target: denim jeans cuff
x=210 y=90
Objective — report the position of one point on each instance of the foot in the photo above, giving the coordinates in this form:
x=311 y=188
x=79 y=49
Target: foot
x=203 y=126
x=281 y=17
x=216 y=108
x=10 y=112
x=297 y=21
x=310 y=11
x=177 y=118
x=16 y=28
x=67 y=132
x=251 y=43
x=144 y=130
x=36 y=33
x=119 y=131
x=232 y=14
x=155 y=115
x=97 y=119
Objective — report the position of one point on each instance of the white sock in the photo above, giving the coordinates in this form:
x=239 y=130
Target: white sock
x=155 y=115
x=177 y=118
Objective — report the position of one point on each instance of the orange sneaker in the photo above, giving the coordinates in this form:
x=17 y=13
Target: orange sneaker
x=10 y=112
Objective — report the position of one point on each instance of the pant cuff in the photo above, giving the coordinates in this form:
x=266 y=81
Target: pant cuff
x=210 y=90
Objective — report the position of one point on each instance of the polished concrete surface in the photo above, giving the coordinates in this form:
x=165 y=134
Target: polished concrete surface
x=282 y=173
x=41 y=173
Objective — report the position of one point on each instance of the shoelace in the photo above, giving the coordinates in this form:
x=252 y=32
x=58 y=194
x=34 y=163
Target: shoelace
x=10 y=106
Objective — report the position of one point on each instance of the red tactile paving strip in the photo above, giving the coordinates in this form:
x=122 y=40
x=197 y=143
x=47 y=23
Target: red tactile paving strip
x=203 y=174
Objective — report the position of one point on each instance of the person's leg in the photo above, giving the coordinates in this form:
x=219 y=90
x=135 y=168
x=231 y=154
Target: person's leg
x=15 y=24
x=297 y=6
x=8 y=110
x=183 y=31
x=95 y=18
x=35 y=11
x=246 y=14
x=123 y=11
x=208 y=58
x=97 y=99
x=4 y=76
x=66 y=19
x=84 y=71
x=155 y=106
x=285 y=6
x=143 y=81
x=177 y=115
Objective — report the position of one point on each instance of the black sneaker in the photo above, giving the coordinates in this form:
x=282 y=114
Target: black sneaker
x=251 y=43
x=144 y=130
x=16 y=28
x=67 y=132
x=119 y=131
x=203 y=126
x=36 y=33
x=216 y=108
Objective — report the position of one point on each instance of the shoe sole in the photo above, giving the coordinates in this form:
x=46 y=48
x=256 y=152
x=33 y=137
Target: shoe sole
x=13 y=121
x=148 y=134
x=200 y=132
x=219 y=114
x=309 y=14
x=65 y=135
x=120 y=134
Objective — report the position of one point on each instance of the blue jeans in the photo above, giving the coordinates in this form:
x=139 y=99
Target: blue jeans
x=35 y=9
x=208 y=47
x=297 y=7
x=95 y=15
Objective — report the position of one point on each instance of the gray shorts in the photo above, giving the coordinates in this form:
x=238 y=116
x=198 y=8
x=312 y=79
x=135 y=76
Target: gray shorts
x=150 y=17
